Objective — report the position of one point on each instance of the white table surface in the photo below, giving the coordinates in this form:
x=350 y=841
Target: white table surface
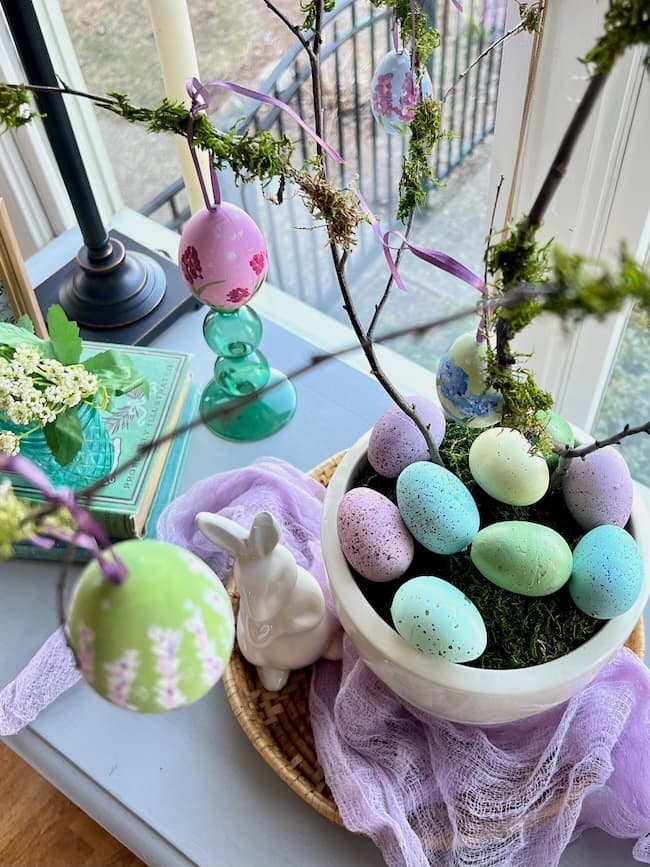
x=187 y=787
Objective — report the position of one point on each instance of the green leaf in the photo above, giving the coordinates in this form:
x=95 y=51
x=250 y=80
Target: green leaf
x=64 y=436
x=116 y=372
x=12 y=335
x=25 y=323
x=64 y=335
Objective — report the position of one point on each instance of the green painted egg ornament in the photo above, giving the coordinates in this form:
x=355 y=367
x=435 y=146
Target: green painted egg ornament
x=161 y=639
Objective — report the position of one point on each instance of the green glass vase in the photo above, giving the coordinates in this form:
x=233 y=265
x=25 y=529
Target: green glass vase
x=246 y=400
x=93 y=460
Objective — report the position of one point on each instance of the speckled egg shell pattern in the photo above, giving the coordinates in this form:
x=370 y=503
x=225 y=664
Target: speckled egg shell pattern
x=394 y=93
x=438 y=619
x=162 y=638
x=522 y=557
x=461 y=384
x=396 y=442
x=373 y=536
x=598 y=489
x=560 y=431
x=501 y=462
x=222 y=257
x=437 y=507
x=607 y=572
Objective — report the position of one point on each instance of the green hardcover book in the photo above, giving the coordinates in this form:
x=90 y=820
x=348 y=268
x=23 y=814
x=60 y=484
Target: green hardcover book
x=165 y=493
x=122 y=506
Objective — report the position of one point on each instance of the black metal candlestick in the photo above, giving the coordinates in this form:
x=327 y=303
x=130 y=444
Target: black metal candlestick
x=107 y=286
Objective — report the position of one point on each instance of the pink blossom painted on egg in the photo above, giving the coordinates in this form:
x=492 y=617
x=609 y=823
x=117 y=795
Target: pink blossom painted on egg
x=237 y=295
x=206 y=649
x=382 y=98
x=258 y=262
x=120 y=676
x=191 y=265
x=165 y=644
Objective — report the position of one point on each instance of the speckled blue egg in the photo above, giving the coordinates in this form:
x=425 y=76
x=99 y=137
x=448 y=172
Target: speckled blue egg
x=598 y=489
x=461 y=385
x=438 y=619
x=607 y=572
x=373 y=536
x=437 y=507
x=396 y=442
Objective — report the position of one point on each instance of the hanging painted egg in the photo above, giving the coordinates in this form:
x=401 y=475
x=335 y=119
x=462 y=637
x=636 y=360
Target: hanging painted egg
x=394 y=93
x=162 y=638
x=222 y=256
x=461 y=384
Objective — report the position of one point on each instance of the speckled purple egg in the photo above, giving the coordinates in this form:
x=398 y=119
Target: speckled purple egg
x=598 y=489
x=396 y=442
x=372 y=535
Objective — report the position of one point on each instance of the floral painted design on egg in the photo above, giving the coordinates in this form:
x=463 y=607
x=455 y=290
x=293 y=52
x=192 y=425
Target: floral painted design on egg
x=461 y=385
x=223 y=257
x=162 y=638
x=394 y=93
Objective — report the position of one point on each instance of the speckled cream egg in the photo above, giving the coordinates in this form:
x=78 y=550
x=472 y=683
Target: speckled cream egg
x=437 y=619
x=607 y=572
x=598 y=489
x=437 y=507
x=560 y=431
x=461 y=385
x=222 y=256
x=162 y=638
x=396 y=442
x=373 y=536
x=523 y=557
x=394 y=93
x=501 y=461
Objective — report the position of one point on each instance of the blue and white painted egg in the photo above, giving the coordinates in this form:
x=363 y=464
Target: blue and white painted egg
x=461 y=385
x=437 y=507
x=394 y=93
x=437 y=619
x=607 y=573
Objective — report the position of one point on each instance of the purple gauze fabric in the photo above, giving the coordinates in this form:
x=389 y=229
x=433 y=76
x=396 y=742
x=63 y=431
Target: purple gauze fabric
x=432 y=792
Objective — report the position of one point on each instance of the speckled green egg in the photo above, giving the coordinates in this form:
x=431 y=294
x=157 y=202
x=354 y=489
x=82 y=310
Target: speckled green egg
x=522 y=557
x=162 y=638
x=438 y=619
x=560 y=431
x=501 y=461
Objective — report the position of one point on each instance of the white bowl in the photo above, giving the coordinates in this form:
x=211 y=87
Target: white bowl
x=449 y=690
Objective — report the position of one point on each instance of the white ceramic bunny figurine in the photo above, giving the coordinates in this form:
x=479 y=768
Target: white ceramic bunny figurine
x=283 y=622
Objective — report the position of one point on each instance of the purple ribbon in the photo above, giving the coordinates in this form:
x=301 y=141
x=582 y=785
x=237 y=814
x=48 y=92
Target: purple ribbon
x=433 y=257
x=88 y=535
x=458 y=5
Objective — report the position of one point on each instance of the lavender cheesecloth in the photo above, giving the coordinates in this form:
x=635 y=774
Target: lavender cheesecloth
x=427 y=791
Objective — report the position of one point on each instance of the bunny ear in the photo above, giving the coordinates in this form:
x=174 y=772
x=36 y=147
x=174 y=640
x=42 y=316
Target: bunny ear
x=264 y=535
x=225 y=534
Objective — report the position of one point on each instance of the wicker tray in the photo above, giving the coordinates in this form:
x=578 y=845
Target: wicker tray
x=278 y=724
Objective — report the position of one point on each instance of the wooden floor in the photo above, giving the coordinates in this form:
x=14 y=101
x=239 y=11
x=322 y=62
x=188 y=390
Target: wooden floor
x=39 y=827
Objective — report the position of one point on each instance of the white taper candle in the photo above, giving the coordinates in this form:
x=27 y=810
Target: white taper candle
x=172 y=31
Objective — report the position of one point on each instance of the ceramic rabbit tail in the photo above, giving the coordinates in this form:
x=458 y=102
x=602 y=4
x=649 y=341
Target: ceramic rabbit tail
x=283 y=623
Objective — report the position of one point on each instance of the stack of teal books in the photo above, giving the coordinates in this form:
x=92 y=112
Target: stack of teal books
x=129 y=505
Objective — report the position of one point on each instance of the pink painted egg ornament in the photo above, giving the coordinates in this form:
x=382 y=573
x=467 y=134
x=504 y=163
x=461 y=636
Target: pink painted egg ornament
x=598 y=489
x=373 y=537
x=394 y=93
x=395 y=441
x=222 y=256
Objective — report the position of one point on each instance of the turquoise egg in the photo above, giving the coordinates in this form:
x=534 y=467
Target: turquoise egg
x=161 y=639
x=437 y=507
x=437 y=619
x=522 y=557
x=461 y=385
x=607 y=572
x=502 y=463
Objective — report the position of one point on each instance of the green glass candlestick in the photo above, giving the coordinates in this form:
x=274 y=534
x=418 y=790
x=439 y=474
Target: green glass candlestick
x=241 y=371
